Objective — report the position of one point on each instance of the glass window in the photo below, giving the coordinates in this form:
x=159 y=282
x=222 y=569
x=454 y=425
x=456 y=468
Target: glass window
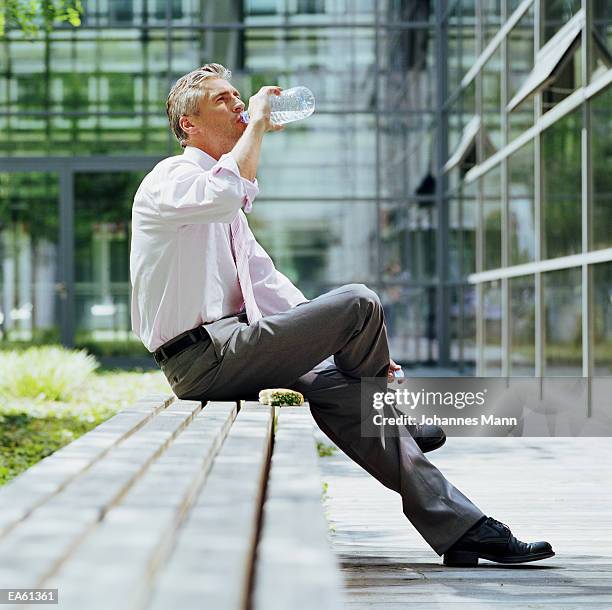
x=411 y=73
x=338 y=149
x=557 y=13
x=491 y=19
x=464 y=152
x=491 y=102
x=563 y=322
x=522 y=326
x=602 y=318
x=394 y=239
x=469 y=218
x=411 y=313
x=454 y=239
x=520 y=64
x=461 y=43
x=30 y=292
x=492 y=328
x=521 y=228
x=561 y=196
x=556 y=67
x=602 y=21
x=462 y=328
x=103 y=203
x=491 y=213
x=319 y=243
x=406 y=155
x=420 y=249
x=409 y=318
x=602 y=176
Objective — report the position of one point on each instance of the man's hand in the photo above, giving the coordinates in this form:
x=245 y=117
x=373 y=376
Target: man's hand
x=259 y=108
x=393 y=366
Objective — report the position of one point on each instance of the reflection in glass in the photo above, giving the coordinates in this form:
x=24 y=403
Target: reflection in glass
x=454 y=239
x=522 y=326
x=469 y=209
x=492 y=329
x=561 y=192
x=521 y=205
x=318 y=243
x=563 y=322
x=520 y=64
x=556 y=13
x=30 y=292
x=103 y=203
x=491 y=18
x=492 y=219
x=602 y=174
x=491 y=102
x=602 y=318
x=411 y=315
x=411 y=75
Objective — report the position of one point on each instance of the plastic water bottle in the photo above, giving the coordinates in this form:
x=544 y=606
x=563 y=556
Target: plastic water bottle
x=291 y=105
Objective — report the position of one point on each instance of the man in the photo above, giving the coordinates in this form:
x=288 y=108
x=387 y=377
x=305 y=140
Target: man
x=223 y=323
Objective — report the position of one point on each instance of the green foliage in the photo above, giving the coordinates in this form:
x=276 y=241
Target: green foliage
x=33 y=428
x=26 y=439
x=325 y=450
x=29 y=15
x=51 y=373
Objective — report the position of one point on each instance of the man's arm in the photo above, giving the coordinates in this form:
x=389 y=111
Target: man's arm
x=247 y=149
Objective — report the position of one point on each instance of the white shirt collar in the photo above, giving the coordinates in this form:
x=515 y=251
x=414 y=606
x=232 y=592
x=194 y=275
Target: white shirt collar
x=200 y=157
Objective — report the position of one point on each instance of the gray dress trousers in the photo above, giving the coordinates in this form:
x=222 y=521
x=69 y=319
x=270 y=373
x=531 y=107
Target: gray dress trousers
x=323 y=348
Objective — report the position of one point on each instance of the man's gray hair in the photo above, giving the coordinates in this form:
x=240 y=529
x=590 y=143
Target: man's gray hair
x=184 y=97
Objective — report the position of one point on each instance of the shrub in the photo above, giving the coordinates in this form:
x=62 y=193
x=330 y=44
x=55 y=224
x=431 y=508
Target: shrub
x=51 y=373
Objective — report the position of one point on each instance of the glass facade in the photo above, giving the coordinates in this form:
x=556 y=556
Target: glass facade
x=451 y=165
x=541 y=73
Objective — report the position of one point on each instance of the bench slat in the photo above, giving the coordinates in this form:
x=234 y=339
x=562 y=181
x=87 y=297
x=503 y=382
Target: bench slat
x=136 y=536
x=295 y=565
x=212 y=562
x=47 y=537
x=49 y=476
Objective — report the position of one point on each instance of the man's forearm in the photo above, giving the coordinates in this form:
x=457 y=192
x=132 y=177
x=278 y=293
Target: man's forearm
x=247 y=149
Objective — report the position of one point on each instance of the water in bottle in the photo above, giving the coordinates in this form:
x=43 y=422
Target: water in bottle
x=291 y=105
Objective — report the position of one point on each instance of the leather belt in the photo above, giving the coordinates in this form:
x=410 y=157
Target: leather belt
x=179 y=343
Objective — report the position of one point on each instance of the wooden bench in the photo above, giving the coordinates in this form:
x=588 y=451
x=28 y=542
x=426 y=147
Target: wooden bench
x=175 y=504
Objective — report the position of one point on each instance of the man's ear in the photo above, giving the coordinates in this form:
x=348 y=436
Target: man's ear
x=187 y=126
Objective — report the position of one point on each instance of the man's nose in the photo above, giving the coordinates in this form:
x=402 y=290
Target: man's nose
x=239 y=107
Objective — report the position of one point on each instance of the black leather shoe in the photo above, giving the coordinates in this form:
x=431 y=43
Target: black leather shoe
x=426 y=437
x=492 y=540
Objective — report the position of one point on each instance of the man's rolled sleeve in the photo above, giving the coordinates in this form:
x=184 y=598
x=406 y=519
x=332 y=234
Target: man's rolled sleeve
x=227 y=163
x=191 y=195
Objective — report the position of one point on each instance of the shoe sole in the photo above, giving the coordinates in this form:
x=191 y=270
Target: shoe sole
x=466 y=559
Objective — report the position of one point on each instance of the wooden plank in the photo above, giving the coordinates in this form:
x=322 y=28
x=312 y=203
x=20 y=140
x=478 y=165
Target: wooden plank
x=295 y=565
x=47 y=478
x=135 y=537
x=39 y=544
x=212 y=561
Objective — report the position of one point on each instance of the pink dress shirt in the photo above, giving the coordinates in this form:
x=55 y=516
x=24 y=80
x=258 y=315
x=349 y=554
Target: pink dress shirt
x=182 y=270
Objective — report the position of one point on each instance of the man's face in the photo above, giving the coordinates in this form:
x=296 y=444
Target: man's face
x=218 y=120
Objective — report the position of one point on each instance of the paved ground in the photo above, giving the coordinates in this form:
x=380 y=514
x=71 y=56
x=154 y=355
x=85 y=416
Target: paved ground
x=558 y=490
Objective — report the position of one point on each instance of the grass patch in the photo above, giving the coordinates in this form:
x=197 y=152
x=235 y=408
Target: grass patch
x=39 y=414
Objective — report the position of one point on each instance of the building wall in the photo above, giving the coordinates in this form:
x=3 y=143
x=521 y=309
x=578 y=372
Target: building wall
x=356 y=193
x=530 y=202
